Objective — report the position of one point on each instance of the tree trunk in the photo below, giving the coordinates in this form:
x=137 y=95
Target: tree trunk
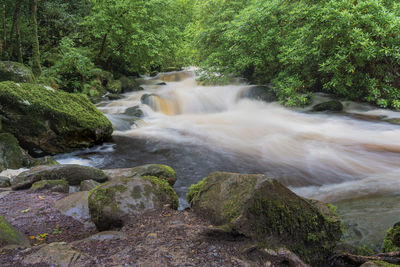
x=16 y=23
x=4 y=29
x=17 y=11
x=19 y=42
x=103 y=46
x=36 y=68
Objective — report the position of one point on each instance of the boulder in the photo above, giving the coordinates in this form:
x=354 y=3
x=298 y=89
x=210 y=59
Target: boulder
x=115 y=202
x=146 y=99
x=72 y=173
x=4 y=182
x=161 y=83
x=134 y=111
x=160 y=171
x=88 y=185
x=392 y=239
x=11 y=155
x=50 y=185
x=47 y=160
x=268 y=212
x=50 y=121
x=16 y=72
x=58 y=254
x=76 y=206
x=11 y=236
x=130 y=84
x=333 y=105
x=114 y=96
x=114 y=87
x=261 y=93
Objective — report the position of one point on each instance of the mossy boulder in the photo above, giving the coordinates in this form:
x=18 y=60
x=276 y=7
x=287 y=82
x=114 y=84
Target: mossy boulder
x=72 y=173
x=114 y=87
x=129 y=84
x=11 y=236
x=268 y=212
x=88 y=185
x=333 y=106
x=16 y=72
x=50 y=185
x=11 y=155
x=160 y=171
x=134 y=112
x=43 y=119
x=114 y=96
x=115 y=202
x=4 y=182
x=392 y=239
x=46 y=160
x=261 y=93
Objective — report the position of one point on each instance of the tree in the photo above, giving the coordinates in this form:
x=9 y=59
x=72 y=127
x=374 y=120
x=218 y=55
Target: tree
x=36 y=68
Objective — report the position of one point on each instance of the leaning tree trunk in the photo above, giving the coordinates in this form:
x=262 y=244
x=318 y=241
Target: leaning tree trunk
x=4 y=29
x=36 y=68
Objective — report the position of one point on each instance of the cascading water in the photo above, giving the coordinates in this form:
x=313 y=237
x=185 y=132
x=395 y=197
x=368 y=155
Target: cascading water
x=198 y=129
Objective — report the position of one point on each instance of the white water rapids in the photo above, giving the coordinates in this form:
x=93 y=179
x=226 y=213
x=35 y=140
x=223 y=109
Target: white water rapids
x=329 y=157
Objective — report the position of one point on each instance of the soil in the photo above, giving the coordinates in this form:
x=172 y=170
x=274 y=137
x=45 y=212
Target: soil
x=156 y=238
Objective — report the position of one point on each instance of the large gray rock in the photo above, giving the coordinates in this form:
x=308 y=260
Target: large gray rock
x=163 y=172
x=16 y=72
x=59 y=254
x=73 y=174
x=120 y=199
x=50 y=185
x=76 y=206
x=4 y=181
x=11 y=236
x=88 y=185
x=46 y=121
x=266 y=211
x=333 y=105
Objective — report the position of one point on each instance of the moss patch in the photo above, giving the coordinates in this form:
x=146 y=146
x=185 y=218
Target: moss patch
x=164 y=189
x=10 y=153
x=9 y=235
x=392 y=239
x=14 y=71
x=60 y=185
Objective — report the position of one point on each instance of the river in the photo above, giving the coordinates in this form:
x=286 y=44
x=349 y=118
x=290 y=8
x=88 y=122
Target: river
x=350 y=159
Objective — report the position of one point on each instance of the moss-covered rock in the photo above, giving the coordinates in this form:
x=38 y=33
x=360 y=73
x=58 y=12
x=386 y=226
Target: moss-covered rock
x=129 y=84
x=16 y=72
x=11 y=236
x=160 y=171
x=50 y=185
x=114 y=87
x=333 y=105
x=88 y=185
x=266 y=211
x=134 y=112
x=4 y=182
x=11 y=156
x=115 y=202
x=114 y=96
x=47 y=160
x=378 y=264
x=392 y=239
x=73 y=174
x=51 y=121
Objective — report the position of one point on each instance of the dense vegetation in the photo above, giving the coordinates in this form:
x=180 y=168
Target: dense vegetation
x=349 y=48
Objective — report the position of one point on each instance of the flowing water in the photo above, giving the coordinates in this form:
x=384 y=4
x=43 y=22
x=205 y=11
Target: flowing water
x=351 y=159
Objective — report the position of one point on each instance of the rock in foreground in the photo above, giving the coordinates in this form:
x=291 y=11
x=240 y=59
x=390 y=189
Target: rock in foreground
x=43 y=119
x=266 y=211
x=73 y=174
x=10 y=236
x=112 y=203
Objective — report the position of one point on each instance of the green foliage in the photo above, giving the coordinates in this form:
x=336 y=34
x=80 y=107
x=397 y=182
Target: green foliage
x=349 y=48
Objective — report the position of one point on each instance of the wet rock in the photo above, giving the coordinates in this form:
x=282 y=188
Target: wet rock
x=76 y=206
x=73 y=174
x=392 y=239
x=46 y=121
x=88 y=185
x=134 y=111
x=161 y=83
x=16 y=72
x=160 y=171
x=333 y=105
x=130 y=84
x=261 y=93
x=47 y=160
x=11 y=155
x=146 y=98
x=11 y=236
x=114 y=87
x=112 y=203
x=4 y=181
x=59 y=254
x=50 y=185
x=114 y=96
x=266 y=211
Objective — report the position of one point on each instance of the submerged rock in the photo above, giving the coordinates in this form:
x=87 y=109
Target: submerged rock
x=50 y=185
x=160 y=171
x=392 y=239
x=16 y=72
x=73 y=174
x=266 y=211
x=333 y=105
x=11 y=236
x=4 y=182
x=114 y=202
x=50 y=121
x=134 y=111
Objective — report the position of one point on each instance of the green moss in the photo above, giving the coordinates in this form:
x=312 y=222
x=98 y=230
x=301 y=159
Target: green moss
x=10 y=152
x=194 y=190
x=163 y=188
x=392 y=239
x=9 y=235
x=364 y=251
x=114 y=87
x=384 y=264
x=49 y=184
x=14 y=71
x=65 y=111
